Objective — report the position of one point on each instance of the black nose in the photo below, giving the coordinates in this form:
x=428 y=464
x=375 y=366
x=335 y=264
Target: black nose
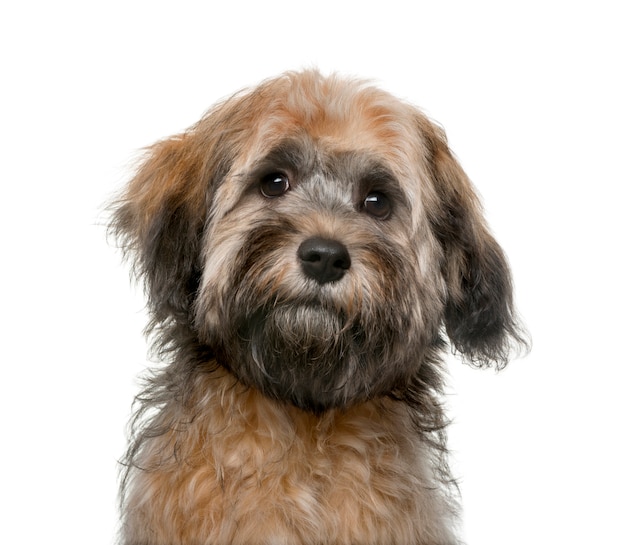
x=323 y=260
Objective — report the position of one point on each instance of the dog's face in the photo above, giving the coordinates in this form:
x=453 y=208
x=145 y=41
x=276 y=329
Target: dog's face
x=317 y=237
x=316 y=286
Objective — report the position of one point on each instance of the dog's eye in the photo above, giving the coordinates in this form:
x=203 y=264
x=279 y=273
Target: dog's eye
x=377 y=205
x=274 y=185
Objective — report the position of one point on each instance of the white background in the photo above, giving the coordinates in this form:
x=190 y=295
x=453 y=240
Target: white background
x=532 y=96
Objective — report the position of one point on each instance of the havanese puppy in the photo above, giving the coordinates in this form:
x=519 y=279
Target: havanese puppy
x=310 y=250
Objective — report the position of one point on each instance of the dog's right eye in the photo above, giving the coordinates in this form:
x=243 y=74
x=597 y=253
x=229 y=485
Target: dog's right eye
x=274 y=185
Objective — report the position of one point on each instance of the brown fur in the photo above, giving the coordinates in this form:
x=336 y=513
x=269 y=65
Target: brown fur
x=297 y=409
x=249 y=470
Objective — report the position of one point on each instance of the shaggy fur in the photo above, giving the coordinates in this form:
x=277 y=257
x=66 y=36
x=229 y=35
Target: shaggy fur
x=308 y=249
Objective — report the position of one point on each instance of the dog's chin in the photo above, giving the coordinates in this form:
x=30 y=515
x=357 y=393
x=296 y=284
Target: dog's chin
x=307 y=355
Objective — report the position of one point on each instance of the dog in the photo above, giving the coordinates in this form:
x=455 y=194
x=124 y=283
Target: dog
x=311 y=250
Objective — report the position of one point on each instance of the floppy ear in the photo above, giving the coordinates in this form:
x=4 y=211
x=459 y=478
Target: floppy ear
x=159 y=221
x=479 y=317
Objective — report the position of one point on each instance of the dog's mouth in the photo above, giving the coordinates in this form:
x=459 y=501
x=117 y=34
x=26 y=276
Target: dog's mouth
x=307 y=353
x=301 y=333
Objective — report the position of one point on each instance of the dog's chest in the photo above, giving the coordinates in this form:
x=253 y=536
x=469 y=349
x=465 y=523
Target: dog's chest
x=261 y=472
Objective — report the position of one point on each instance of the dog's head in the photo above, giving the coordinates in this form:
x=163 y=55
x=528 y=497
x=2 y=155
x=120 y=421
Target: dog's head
x=318 y=238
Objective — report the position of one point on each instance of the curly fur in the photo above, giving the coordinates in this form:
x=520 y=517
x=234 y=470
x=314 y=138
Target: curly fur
x=292 y=409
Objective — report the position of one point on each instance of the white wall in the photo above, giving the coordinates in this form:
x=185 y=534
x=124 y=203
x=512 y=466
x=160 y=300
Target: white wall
x=532 y=97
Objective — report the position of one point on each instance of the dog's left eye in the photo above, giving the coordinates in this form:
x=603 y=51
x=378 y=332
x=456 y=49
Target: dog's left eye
x=377 y=205
x=274 y=185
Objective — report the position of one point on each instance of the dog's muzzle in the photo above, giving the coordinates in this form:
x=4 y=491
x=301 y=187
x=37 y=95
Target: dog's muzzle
x=324 y=260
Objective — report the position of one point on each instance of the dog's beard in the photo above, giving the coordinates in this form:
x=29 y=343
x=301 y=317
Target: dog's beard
x=313 y=356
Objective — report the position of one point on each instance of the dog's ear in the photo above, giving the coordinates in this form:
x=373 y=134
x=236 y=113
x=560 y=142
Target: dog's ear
x=159 y=221
x=480 y=319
